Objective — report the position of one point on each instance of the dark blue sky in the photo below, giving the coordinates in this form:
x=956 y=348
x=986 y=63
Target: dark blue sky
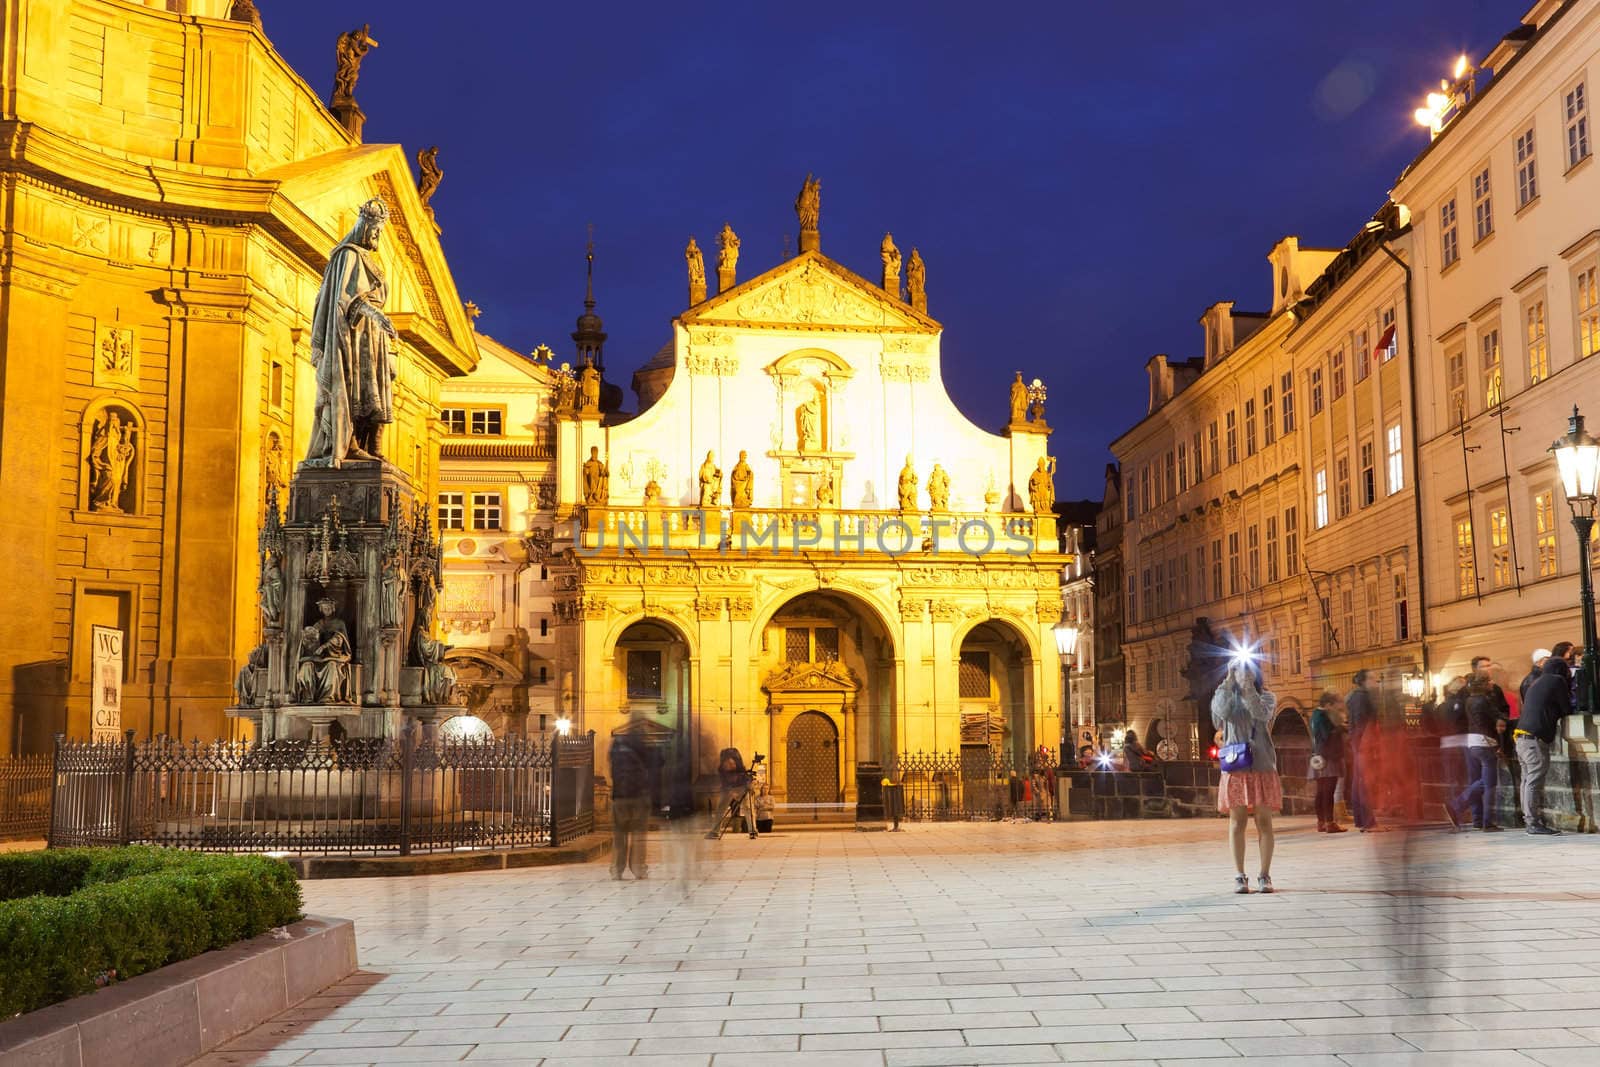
x=1082 y=180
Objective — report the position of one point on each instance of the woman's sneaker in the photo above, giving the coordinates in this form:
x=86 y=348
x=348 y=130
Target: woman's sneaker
x=1241 y=883
x=1263 y=884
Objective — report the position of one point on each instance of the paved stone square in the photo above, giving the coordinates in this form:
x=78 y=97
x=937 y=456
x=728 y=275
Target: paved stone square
x=1109 y=942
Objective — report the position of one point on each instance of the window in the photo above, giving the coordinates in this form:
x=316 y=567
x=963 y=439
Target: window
x=1336 y=365
x=1456 y=382
x=1250 y=427
x=1402 y=613
x=1272 y=548
x=1527 y=173
x=1252 y=562
x=1286 y=387
x=1160 y=590
x=1216 y=568
x=1144 y=489
x=1482 y=207
x=1291 y=541
x=1538 y=338
x=1450 y=249
x=1200 y=574
x=1211 y=440
x=1396 y=463
x=1466 y=563
x=544 y=627
x=1133 y=677
x=1269 y=428
x=1493 y=380
x=1199 y=470
x=1133 y=599
x=454 y=420
x=452 y=511
x=1172 y=489
x=275 y=385
x=544 y=675
x=1294 y=653
x=1330 y=641
x=1172 y=582
x=973 y=679
x=1390 y=342
x=1500 y=546
x=1233 y=563
x=1183 y=581
x=1316 y=390
x=1374 y=630
x=1233 y=437
x=1131 y=506
x=1544 y=525
x=486 y=511
x=1183 y=467
x=644 y=674
x=1322 y=497
x=1575 y=109
x=1588 y=313
x=1150 y=608
x=1361 y=354
x=486 y=423
x=1341 y=471
x=1369 y=475
x=1347 y=617
x=825 y=644
x=1149 y=685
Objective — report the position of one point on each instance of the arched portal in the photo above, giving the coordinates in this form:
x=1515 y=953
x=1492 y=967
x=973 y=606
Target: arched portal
x=826 y=656
x=994 y=690
x=1292 y=740
x=650 y=665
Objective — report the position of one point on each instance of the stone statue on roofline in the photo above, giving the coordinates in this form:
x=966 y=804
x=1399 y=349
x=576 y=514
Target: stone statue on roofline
x=352 y=48
x=430 y=177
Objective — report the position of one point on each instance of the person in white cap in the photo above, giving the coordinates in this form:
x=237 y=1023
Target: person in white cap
x=1539 y=656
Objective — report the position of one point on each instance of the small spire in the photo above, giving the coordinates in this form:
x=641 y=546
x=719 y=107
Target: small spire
x=588 y=292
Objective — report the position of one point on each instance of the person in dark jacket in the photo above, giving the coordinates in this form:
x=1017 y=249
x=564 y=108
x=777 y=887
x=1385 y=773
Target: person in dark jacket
x=1549 y=700
x=1486 y=716
x=1327 y=760
x=631 y=786
x=1539 y=656
x=1360 y=775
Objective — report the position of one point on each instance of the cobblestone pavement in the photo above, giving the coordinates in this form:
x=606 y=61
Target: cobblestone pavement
x=978 y=944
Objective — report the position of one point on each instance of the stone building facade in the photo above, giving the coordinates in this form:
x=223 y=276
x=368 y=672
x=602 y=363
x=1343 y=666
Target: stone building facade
x=172 y=189
x=801 y=547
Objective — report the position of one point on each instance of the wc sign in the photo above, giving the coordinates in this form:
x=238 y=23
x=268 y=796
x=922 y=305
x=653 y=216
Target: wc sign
x=105 y=686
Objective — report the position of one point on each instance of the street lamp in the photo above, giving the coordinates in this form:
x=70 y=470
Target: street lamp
x=1067 y=649
x=1578 y=460
x=1413 y=684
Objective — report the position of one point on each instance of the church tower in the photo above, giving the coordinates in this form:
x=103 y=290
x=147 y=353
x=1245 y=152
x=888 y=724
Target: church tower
x=590 y=337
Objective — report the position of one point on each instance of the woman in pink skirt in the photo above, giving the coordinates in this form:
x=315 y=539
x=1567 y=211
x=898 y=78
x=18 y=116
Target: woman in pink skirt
x=1242 y=710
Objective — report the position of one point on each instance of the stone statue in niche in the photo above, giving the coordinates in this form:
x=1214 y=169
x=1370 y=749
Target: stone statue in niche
x=438 y=677
x=270 y=589
x=825 y=489
x=1042 y=486
x=113 y=447
x=742 y=482
x=939 y=489
x=808 y=419
x=274 y=463
x=249 y=691
x=589 y=387
x=392 y=605
x=596 y=478
x=710 y=481
x=1019 y=401
x=350 y=338
x=908 y=487
x=322 y=674
x=352 y=48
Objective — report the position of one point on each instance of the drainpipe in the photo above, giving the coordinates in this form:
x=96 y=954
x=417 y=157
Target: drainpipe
x=1382 y=234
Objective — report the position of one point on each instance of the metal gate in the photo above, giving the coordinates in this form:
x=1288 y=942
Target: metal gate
x=813 y=760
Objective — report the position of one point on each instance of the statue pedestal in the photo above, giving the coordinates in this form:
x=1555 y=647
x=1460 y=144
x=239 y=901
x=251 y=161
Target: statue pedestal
x=350 y=116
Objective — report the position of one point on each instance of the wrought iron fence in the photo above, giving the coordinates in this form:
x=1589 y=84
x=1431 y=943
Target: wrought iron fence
x=975 y=783
x=357 y=796
x=24 y=797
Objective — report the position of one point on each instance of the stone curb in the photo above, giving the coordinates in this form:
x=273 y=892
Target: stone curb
x=186 y=1009
x=582 y=850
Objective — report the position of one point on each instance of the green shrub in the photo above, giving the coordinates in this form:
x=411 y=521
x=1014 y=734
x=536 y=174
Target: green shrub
x=129 y=910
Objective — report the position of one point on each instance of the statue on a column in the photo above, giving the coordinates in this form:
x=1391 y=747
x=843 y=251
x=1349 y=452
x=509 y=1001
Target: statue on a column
x=710 y=481
x=742 y=482
x=431 y=176
x=891 y=265
x=391 y=615
x=908 y=487
x=938 y=489
x=697 y=272
x=322 y=675
x=352 y=48
x=596 y=479
x=350 y=338
x=1019 y=401
x=1042 y=486
x=727 y=250
x=917 y=282
x=808 y=205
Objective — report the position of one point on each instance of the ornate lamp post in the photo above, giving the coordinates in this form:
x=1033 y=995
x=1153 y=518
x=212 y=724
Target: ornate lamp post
x=1578 y=460
x=1036 y=397
x=1067 y=649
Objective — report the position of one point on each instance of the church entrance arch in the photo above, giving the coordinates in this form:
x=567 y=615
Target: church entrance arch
x=812 y=748
x=994 y=691
x=825 y=657
x=650 y=666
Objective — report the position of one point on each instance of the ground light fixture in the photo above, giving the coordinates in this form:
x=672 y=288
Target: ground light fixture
x=1578 y=461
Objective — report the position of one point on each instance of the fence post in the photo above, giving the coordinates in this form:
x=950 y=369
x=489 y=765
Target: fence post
x=407 y=738
x=127 y=787
x=555 y=789
x=55 y=785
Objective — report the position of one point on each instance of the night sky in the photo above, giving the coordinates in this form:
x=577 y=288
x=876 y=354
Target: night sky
x=1082 y=180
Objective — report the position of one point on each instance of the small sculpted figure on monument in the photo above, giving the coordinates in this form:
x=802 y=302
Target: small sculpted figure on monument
x=270 y=589
x=710 y=481
x=589 y=387
x=1042 y=486
x=352 y=48
x=891 y=265
x=697 y=272
x=742 y=482
x=808 y=205
x=917 y=282
x=428 y=181
x=825 y=490
x=908 y=487
x=596 y=478
x=727 y=250
x=322 y=675
x=249 y=693
x=809 y=419
x=1019 y=401
x=438 y=677
x=111 y=455
x=350 y=348
x=938 y=489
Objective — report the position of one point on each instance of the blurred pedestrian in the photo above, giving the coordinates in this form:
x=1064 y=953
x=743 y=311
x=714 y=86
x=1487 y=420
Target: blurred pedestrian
x=1242 y=709
x=1327 y=760
x=1486 y=717
x=1134 y=755
x=1549 y=700
x=1453 y=740
x=630 y=761
x=1361 y=753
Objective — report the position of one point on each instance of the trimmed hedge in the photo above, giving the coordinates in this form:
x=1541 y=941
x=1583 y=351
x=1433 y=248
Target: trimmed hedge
x=70 y=915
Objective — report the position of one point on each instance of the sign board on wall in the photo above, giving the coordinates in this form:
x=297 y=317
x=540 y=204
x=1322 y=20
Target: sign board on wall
x=105 y=685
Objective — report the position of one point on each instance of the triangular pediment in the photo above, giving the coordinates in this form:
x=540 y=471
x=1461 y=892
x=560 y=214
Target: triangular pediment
x=811 y=678
x=810 y=292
